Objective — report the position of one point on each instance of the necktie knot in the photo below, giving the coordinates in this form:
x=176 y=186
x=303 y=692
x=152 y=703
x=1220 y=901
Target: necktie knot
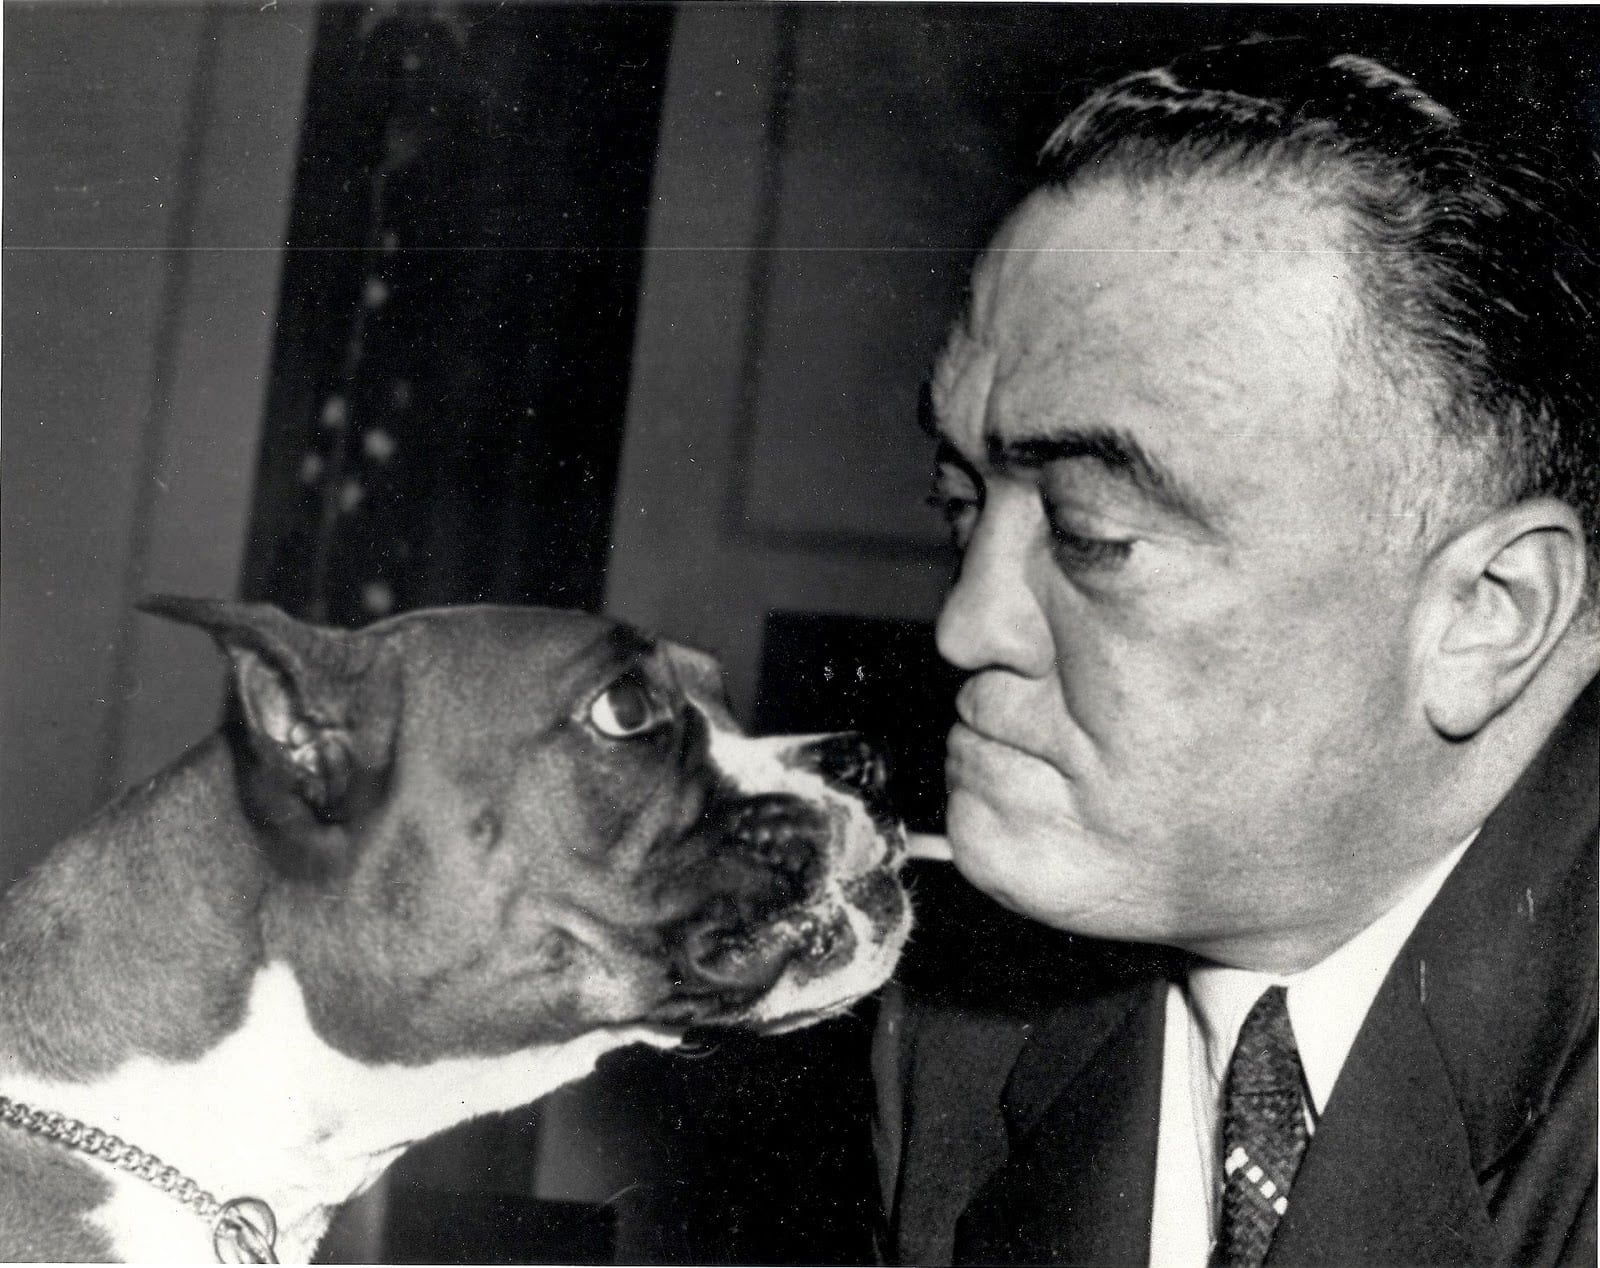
x=1264 y=1131
x=1266 y=1061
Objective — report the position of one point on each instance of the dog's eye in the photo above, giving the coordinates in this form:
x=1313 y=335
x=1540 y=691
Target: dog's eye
x=627 y=708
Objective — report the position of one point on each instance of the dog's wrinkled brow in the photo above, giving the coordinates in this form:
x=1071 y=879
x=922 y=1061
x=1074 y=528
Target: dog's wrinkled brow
x=692 y=669
x=628 y=645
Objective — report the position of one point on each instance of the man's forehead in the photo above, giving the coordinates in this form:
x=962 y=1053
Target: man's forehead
x=964 y=367
x=1152 y=300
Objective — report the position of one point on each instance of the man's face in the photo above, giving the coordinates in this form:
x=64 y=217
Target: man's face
x=1186 y=589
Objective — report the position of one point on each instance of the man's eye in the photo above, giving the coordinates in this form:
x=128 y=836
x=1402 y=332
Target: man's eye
x=958 y=505
x=960 y=514
x=1073 y=550
x=627 y=708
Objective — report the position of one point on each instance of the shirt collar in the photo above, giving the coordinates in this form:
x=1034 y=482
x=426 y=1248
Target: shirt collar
x=1327 y=1002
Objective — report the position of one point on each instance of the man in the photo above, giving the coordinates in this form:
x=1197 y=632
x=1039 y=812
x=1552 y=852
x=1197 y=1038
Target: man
x=1269 y=437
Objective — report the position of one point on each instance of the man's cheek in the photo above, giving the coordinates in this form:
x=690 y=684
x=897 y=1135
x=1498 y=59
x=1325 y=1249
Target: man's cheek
x=1205 y=679
x=1116 y=661
x=1004 y=852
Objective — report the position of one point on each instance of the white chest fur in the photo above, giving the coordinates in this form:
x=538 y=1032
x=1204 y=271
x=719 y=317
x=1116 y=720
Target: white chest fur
x=273 y=1112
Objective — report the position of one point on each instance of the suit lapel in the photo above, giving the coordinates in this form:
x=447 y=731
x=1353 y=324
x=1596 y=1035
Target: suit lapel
x=1081 y=1108
x=1507 y=951
x=1484 y=1009
x=1388 y=1178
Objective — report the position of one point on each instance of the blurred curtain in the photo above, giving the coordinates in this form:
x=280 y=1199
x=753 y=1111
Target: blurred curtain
x=456 y=320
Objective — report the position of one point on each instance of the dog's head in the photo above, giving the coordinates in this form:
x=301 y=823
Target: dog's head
x=516 y=825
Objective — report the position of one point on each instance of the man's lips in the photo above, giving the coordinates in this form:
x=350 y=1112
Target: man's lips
x=970 y=721
x=967 y=746
x=979 y=708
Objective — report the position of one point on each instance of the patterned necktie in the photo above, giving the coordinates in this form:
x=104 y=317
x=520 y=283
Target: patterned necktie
x=1263 y=1132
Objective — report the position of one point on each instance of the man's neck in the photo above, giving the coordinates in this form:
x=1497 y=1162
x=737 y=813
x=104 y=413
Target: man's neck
x=1328 y=1000
x=1471 y=778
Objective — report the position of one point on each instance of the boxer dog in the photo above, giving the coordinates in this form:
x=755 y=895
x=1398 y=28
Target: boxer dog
x=427 y=870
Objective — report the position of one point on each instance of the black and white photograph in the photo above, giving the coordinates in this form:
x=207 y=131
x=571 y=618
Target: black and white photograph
x=825 y=632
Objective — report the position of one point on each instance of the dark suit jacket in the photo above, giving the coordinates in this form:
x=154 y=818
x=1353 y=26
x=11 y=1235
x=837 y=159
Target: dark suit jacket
x=1017 y=1121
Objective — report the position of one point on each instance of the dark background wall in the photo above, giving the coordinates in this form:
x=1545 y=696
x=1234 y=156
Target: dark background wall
x=361 y=306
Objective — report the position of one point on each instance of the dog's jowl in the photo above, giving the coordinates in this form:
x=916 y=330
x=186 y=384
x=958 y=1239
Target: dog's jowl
x=427 y=870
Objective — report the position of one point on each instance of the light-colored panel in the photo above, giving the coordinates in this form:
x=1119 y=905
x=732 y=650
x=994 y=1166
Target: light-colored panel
x=97 y=108
x=672 y=503
x=890 y=182
x=688 y=560
x=198 y=489
x=133 y=370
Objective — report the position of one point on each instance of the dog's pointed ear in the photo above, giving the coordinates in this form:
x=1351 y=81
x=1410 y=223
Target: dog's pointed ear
x=320 y=704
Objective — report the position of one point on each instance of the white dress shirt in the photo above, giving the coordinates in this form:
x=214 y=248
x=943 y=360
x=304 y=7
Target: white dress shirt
x=1327 y=1004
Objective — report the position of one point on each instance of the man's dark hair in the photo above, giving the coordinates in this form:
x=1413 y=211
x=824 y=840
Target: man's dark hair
x=1478 y=264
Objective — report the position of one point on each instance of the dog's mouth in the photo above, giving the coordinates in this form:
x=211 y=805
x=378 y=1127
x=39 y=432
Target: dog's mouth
x=741 y=963
x=766 y=870
x=808 y=905
x=801 y=909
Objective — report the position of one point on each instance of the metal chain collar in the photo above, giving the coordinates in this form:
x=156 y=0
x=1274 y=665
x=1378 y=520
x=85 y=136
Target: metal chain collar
x=243 y=1230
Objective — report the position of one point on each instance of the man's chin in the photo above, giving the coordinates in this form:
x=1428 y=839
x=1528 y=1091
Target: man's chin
x=997 y=851
x=1052 y=870
x=999 y=793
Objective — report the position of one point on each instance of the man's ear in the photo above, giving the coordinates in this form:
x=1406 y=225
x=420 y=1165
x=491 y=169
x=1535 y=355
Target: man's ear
x=1502 y=595
x=319 y=704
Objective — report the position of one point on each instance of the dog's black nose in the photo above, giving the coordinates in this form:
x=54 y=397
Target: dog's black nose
x=849 y=760
x=852 y=763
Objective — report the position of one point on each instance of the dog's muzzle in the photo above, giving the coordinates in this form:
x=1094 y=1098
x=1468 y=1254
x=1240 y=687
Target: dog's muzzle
x=770 y=862
x=768 y=867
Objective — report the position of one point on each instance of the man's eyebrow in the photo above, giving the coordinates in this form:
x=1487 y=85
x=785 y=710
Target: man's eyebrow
x=947 y=454
x=625 y=644
x=1113 y=449
x=927 y=420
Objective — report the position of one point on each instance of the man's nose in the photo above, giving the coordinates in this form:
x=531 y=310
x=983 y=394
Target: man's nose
x=991 y=618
